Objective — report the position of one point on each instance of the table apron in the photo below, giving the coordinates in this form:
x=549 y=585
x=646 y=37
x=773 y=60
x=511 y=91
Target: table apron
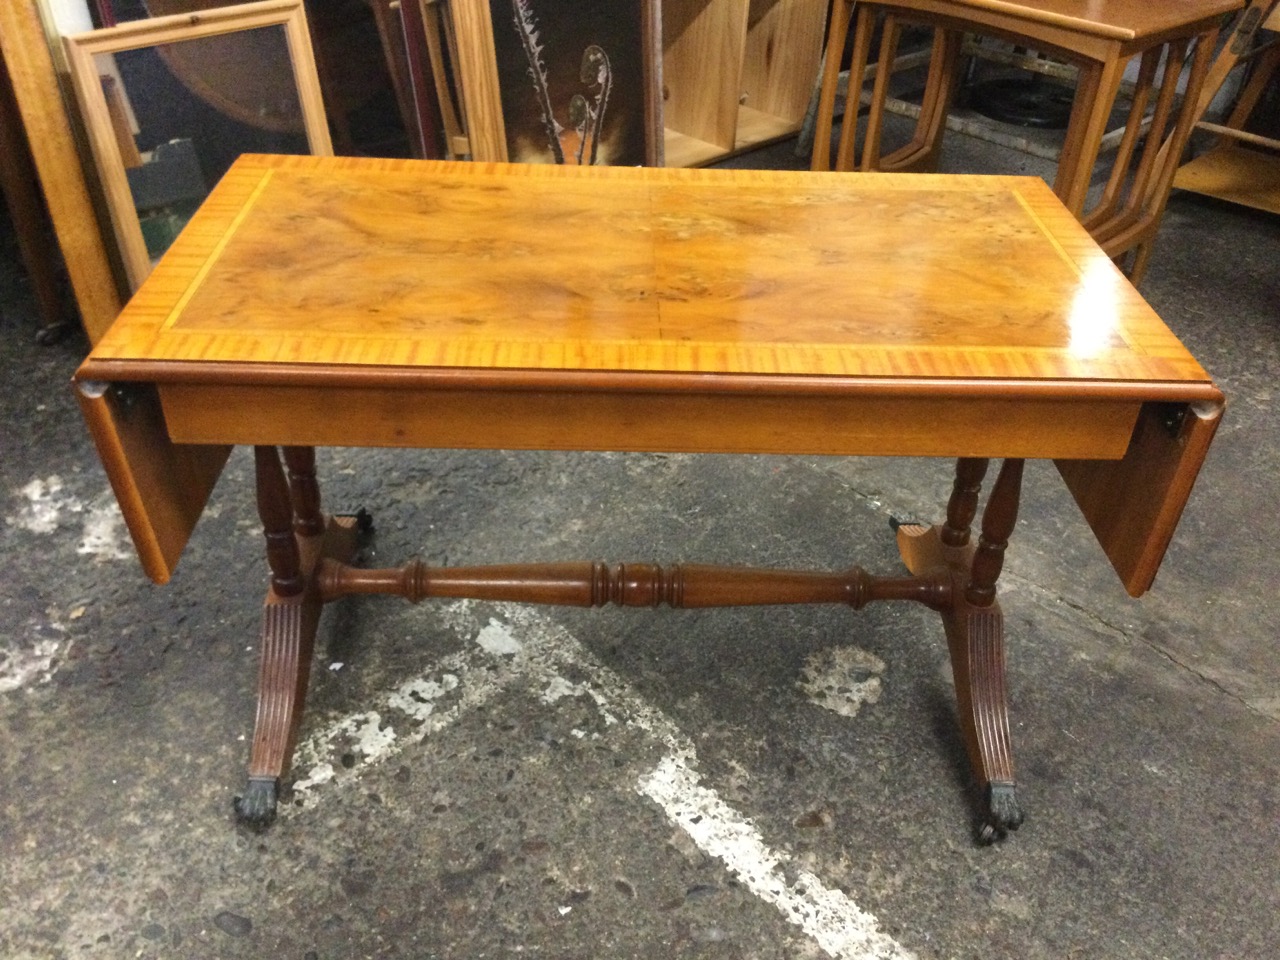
x=675 y=422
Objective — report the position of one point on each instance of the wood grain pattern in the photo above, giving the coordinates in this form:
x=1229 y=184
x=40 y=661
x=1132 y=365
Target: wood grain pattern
x=702 y=49
x=737 y=73
x=1133 y=505
x=756 y=127
x=784 y=43
x=1236 y=174
x=385 y=264
x=478 y=77
x=674 y=421
x=318 y=301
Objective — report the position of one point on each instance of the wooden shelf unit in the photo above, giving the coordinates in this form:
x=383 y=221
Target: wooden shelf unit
x=1242 y=167
x=736 y=73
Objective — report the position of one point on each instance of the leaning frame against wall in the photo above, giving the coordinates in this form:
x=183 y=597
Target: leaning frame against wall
x=107 y=123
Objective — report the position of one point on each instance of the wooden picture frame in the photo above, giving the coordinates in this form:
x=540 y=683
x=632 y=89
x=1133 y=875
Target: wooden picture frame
x=438 y=99
x=106 y=114
x=594 y=67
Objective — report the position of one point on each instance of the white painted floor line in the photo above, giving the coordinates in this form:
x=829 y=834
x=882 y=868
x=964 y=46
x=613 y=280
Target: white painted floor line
x=408 y=714
x=838 y=925
x=528 y=646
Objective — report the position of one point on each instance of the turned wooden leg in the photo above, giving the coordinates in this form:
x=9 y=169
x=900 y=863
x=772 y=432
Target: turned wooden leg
x=998 y=520
x=963 y=505
x=975 y=638
x=304 y=491
x=276 y=512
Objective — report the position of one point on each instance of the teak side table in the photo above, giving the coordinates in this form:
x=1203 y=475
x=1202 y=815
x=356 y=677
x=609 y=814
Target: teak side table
x=1100 y=37
x=321 y=301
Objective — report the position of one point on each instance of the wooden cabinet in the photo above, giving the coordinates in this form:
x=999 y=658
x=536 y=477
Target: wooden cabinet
x=736 y=73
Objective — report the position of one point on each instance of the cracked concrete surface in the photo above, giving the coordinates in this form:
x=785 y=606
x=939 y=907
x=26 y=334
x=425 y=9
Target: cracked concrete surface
x=484 y=780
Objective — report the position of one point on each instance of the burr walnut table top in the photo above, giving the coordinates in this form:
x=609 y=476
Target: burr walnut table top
x=298 y=262
x=333 y=301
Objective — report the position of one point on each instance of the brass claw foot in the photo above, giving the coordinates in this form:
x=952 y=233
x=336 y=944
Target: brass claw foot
x=1002 y=813
x=256 y=809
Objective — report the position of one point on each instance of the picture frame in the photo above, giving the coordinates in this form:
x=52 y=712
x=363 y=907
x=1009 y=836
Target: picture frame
x=433 y=45
x=561 y=81
x=291 y=117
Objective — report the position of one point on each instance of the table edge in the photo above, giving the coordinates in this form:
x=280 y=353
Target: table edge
x=234 y=374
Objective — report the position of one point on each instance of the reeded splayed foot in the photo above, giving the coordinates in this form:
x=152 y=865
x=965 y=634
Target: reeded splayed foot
x=974 y=626
x=298 y=538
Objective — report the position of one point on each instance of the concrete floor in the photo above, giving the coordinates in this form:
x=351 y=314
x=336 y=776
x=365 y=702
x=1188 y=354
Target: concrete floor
x=480 y=780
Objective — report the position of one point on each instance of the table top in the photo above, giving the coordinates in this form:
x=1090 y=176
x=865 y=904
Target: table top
x=1123 y=20
x=297 y=263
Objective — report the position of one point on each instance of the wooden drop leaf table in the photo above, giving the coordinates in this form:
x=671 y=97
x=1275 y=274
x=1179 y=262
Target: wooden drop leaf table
x=357 y=302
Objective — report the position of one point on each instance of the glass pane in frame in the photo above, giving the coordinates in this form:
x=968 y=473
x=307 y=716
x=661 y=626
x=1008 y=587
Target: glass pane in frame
x=170 y=102
x=182 y=112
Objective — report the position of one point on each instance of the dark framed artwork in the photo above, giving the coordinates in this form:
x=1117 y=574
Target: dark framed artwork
x=561 y=81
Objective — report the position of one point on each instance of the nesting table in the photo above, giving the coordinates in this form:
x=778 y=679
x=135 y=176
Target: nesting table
x=383 y=303
x=1100 y=38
